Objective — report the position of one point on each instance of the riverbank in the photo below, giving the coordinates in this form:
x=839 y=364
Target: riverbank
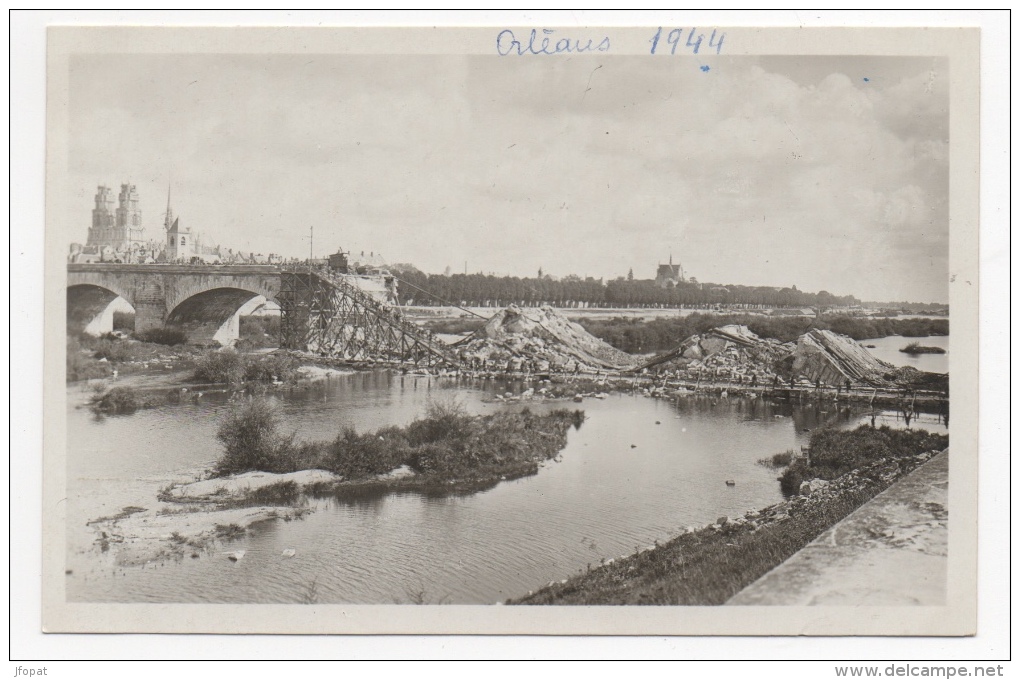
x=892 y=551
x=708 y=565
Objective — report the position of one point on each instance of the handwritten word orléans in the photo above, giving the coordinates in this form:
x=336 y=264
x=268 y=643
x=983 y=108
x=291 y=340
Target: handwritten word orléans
x=507 y=43
x=693 y=42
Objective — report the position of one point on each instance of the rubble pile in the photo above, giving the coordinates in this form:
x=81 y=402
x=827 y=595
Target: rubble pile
x=911 y=378
x=833 y=359
x=735 y=354
x=725 y=353
x=538 y=340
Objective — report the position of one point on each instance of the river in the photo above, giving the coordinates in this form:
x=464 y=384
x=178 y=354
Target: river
x=888 y=350
x=638 y=470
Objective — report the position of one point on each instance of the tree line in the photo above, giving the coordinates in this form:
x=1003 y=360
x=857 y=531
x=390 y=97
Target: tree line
x=481 y=290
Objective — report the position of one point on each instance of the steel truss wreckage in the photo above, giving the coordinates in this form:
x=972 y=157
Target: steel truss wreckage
x=324 y=313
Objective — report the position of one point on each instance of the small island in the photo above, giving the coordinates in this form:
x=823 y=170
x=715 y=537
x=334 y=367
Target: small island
x=918 y=348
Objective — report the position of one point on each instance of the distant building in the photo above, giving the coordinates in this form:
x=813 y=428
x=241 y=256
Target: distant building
x=180 y=244
x=669 y=274
x=117 y=235
x=120 y=229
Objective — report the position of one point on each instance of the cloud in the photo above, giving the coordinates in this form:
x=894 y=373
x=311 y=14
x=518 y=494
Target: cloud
x=755 y=172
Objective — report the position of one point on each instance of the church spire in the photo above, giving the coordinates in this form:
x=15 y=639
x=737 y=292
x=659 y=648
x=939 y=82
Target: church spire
x=169 y=215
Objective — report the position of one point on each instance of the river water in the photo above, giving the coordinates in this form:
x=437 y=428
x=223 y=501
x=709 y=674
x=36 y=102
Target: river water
x=638 y=470
x=888 y=350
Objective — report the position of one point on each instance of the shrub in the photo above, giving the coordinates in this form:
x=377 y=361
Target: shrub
x=778 y=460
x=259 y=331
x=355 y=456
x=269 y=367
x=229 y=366
x=163 y=336
x=81 y=366
x=121 y=400
x=222 y=366
x=446 y=421
x=112 y=350
x=251 y=440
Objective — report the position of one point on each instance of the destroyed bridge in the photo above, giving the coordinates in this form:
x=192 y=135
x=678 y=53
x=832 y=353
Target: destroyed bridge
x=321 y=311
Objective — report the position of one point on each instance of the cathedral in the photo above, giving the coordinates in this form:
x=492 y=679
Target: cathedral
x=119 y=229
x=669 y=274
x=116 y=234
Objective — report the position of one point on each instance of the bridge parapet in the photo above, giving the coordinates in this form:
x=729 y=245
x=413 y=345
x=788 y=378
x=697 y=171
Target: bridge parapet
x=177 y=269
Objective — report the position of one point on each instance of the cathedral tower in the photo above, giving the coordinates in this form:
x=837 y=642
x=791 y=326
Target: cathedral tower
x=103 y=221
x=129 y=215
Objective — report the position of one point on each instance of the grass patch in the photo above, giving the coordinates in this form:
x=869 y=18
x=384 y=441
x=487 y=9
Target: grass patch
x=446 y=446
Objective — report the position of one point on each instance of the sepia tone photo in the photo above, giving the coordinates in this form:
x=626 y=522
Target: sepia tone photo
x=522 y=330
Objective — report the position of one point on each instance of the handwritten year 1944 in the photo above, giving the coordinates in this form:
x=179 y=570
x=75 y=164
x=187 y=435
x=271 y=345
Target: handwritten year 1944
x=693 y=42
x=548 y=42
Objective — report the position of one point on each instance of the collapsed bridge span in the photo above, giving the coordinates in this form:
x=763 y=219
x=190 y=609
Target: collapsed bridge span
x=324 y=313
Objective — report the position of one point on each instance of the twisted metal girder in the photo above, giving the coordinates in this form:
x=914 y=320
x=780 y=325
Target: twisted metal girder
x=324 y=313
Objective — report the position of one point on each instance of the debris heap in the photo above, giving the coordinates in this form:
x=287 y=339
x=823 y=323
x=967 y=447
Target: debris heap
x=538 y=339
x=726 y=353
x=832 y=359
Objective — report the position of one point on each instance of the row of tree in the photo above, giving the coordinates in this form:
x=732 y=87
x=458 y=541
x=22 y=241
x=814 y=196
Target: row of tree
x=480 y=290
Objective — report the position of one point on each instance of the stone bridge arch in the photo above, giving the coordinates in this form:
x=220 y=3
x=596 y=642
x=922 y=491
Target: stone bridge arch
x=208 y=307
x=214 y=315
x=91 y=306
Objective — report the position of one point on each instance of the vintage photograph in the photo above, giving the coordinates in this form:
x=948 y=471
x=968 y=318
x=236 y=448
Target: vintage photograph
x=540 y=318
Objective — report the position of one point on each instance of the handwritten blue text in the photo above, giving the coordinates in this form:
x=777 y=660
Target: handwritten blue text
x=693 y=42
x=507 y=43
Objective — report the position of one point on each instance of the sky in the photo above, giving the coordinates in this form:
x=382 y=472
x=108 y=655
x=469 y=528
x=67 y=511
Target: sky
x=828 y=173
